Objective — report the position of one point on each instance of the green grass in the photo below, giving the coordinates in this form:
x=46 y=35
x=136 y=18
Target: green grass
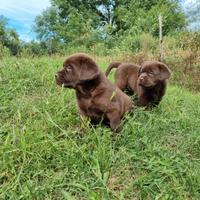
x=48 y=153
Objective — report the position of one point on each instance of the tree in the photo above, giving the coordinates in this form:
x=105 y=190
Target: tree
x=142 y=16
x=75 y=22
x=47 y=24
x=3 y=35
x=9 y=37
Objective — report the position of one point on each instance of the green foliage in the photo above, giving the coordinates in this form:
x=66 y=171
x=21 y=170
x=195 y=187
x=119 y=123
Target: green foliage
x=48 y=47
x=140 y=42
x=47 y=24
x=4 y=51
x=3 y=23
x=190 y=40
x=184 y=40
x=48 y=153
x=9 y=37
x=89 y=22
x=110 y=24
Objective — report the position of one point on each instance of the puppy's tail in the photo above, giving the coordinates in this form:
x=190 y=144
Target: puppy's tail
x=112 y=65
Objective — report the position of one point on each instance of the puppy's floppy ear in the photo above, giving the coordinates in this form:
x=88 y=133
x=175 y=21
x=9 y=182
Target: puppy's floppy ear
x=139 y=71
x=164 y=71
x=89 y=69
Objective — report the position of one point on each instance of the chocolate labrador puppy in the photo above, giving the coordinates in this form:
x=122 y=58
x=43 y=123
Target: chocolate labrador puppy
x=97 y=97
x=148 y=81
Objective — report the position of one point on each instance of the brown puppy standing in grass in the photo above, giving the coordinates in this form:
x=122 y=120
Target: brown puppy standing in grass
x=148 y=81
x=97 y=97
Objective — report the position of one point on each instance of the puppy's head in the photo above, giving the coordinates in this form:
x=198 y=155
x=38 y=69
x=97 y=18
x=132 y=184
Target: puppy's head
x=77 y=69
x=152 y=72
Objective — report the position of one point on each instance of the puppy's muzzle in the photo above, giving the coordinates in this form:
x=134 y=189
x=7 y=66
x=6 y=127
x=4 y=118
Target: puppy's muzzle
x=142 y=79
x=58 y=79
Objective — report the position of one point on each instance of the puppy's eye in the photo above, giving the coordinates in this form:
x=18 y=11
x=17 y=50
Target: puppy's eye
x=69 y=68
x=151 y=73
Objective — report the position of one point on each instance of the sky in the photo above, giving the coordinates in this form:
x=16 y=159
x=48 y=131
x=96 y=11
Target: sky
x=21 y=14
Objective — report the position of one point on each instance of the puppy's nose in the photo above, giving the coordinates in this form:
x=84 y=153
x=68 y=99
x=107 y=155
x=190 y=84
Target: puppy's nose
x=142 y=78
x=56 y=75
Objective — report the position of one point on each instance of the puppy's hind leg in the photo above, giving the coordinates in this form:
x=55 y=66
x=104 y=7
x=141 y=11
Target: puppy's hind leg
x=120 y=82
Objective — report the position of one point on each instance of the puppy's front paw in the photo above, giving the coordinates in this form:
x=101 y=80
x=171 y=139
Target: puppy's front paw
x=117 y=130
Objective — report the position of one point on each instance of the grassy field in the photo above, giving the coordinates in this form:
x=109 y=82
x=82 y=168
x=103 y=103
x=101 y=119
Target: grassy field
x=48 y=153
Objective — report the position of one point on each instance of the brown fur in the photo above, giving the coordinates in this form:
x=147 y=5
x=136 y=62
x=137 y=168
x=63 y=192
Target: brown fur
x=148 y=81
x=97 y=97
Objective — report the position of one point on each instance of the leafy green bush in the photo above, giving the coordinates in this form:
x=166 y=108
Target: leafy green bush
x=140 y=42
x=4 y=51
